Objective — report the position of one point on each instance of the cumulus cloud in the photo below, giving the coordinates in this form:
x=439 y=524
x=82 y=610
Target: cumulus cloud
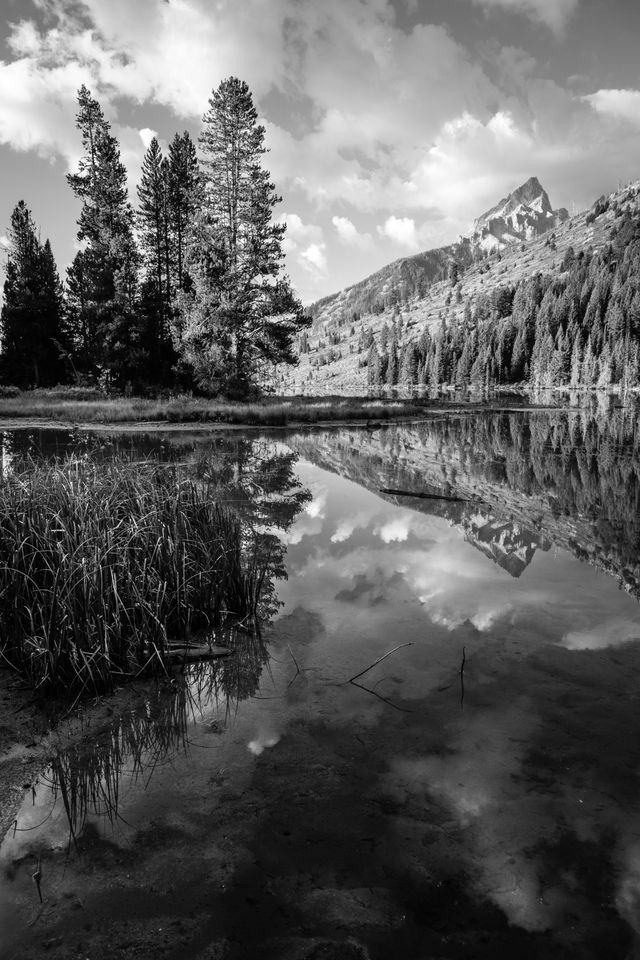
x=318 y=505
x=611 y=633
x=349 y=234
x=366 y=144
x=400 y=230
x=396 y=529
x=174 y=53
x=264 y=740
x=147 y=135
x=554 y=14
x=37 y=107
x=344 y=531
x=299 y=234
x=144 y=52
x=621 y=104
x=305 y=526
x=346 y=93
x=304 y=242
x=314 y=257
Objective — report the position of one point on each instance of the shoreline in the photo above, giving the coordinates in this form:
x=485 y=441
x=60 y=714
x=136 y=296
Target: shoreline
x=214 y=426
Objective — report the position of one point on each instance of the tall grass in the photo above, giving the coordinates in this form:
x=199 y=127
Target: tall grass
x=102 y=565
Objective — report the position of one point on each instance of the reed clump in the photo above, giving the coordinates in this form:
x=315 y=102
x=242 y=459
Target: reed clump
x=102 y=564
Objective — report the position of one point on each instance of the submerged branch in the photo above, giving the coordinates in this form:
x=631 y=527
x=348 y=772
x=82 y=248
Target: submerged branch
x=353 y=680
x=380 y=697
x=379 y=660
x=428 y=496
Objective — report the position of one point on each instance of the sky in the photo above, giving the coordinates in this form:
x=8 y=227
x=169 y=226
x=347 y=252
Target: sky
x=391 y=124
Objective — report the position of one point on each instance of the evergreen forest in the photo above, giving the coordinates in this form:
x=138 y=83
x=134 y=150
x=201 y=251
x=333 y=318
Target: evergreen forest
x=186 y=290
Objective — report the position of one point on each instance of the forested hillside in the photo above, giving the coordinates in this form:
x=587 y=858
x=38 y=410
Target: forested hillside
x=562 y=309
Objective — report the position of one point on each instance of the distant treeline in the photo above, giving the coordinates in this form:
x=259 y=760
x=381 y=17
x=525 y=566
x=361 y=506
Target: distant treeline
x=579 y=328
x=187 y=289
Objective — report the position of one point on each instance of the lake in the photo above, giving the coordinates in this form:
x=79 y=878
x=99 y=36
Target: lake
x=429 y=749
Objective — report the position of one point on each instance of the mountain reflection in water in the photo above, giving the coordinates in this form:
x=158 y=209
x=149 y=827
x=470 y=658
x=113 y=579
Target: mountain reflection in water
x=276 y=808
x=571 y=478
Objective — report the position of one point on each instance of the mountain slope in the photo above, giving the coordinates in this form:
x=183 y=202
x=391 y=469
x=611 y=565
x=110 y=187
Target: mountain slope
x=416 y=294
x=404 y=278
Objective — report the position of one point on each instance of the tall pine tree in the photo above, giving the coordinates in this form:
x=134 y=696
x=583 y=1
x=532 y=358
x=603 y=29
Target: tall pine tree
x=106 y=318
x=183 y=192
x=240 y=314
x=155 y=240
x=152 y=220
x=167 y=195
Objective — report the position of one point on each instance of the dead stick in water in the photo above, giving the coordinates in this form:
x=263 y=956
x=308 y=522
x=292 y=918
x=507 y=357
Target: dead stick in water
x=395 y=706
x=354 y=679
x=379 y=660
x=297 y=673
x=37 y=877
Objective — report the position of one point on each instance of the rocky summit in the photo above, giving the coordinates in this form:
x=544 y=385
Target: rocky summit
x=524 y=214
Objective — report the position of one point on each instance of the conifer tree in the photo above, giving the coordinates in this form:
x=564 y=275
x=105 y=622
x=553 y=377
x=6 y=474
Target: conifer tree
x=152 y=218
x=576 y=361
x=391 y=376
x=182 y=197
x=160 y=271
x=241 y=313
x=409 y=366
x=373 y=367
x=31 y=320
x=105 y=313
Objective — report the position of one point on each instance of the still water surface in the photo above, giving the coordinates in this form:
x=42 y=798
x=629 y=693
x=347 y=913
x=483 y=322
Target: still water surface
x=475 y=795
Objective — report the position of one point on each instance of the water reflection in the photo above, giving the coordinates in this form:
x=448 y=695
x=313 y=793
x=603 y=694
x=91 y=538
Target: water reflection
x=503 y=826
x=571 y=478
x=256 y=479
x=86 y=778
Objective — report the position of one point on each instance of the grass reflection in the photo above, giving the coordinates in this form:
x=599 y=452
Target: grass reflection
x=87 y=777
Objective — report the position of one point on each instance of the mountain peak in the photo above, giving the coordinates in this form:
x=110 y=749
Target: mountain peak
x=525 y=213
x=530 y=191
x=531 y=187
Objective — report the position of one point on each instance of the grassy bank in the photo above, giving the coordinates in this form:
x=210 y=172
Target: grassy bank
x=71 y=406
x=100 y=567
